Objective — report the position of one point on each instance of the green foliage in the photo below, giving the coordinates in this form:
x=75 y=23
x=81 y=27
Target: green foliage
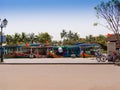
x=69 y=37
x=43 y=37
x=23 y=38
x=95 y=24
x=98 y=39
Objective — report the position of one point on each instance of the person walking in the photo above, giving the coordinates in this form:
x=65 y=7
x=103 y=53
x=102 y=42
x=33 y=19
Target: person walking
x=83 y=53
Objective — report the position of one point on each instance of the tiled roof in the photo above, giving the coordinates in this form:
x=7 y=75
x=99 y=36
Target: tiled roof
x=112 y=38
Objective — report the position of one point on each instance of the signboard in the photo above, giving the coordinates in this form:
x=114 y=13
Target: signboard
x=3 y=39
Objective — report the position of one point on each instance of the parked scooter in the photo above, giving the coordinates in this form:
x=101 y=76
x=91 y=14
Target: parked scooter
x=114 y=57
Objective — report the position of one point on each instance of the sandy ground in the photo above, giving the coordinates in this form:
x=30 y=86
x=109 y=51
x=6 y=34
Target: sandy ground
x=59 y=77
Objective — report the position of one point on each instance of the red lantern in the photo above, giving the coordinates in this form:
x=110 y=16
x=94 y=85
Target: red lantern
x=27 y=45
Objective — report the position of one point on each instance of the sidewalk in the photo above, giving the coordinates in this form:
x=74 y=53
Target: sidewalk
x=53 y=61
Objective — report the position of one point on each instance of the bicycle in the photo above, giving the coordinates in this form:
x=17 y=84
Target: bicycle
x=100 y=57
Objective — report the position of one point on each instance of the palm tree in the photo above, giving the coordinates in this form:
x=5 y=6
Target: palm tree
x=31 y=37
x=90 y=39
x=16 y=38
x=9 y=39
x=63 y=34
x=76 y=37
x=23 y=37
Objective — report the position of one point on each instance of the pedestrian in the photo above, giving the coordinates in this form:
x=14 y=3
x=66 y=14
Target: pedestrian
x=83 y=53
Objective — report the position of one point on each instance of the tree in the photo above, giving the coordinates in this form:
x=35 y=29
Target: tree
x=23 y=37
x=44 y=37
x=76 y=36
x=16 y=38
x=9 y=39
x=97 y=40
x=31 y=37
x=69 y=37
x=101 y=39
x=90 y=39
x=63 y=34
x=110 y=12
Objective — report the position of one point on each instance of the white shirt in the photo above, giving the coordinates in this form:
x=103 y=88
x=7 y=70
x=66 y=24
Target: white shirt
x=60 y=50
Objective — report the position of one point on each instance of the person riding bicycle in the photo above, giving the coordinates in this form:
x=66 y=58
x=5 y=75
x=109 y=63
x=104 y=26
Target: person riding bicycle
x=99 y=56
x=98 y=53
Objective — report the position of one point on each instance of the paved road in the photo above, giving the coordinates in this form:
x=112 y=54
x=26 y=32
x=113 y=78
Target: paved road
x=55 y=74
x=59 y=77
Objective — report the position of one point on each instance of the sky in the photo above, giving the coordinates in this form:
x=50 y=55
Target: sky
x=52 y=16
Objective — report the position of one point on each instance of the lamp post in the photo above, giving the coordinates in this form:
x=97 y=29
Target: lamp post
x=2 y=25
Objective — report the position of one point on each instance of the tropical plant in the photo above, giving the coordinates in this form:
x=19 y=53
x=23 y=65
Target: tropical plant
x=63 y=34
x=9 y=39
x=44 y=37
x=90 y=38
x=69 y=37
x=16 y=39
x=23 y=37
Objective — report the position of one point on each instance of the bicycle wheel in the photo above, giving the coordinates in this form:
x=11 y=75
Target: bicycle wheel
x=103 y=58
x=98 y=59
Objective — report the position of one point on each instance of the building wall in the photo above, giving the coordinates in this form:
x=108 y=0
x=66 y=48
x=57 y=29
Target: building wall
x=111 y=46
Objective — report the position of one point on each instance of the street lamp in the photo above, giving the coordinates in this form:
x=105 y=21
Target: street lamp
x=2 y=25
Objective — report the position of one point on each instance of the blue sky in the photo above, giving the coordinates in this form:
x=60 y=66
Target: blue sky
x=51 y=16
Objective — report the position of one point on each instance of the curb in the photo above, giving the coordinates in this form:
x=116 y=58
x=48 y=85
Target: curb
x=56 y=63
